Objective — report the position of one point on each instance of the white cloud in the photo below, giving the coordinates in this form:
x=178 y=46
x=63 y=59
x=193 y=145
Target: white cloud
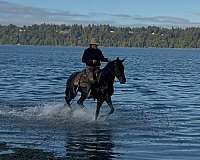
x=11 y=13
x=163 y=19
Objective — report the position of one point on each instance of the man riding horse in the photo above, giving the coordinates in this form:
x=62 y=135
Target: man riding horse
x=93 y=57
x=86 y=81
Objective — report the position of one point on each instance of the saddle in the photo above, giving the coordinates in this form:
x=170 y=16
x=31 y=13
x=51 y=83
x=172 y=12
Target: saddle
x=82 y=79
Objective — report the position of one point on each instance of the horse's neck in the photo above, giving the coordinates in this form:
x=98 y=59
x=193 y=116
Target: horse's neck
x=108 y=72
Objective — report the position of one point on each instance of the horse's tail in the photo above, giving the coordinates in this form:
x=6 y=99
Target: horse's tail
x=71 y=89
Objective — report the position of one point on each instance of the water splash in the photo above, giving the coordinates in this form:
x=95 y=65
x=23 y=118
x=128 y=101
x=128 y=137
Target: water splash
x=49 y=111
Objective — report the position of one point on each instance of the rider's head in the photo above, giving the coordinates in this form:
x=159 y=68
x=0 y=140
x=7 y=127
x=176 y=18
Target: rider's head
x=93 y=43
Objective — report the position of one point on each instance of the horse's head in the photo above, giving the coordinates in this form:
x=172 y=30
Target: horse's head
x=119 y=70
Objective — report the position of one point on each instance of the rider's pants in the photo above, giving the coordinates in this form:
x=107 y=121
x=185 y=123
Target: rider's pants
x=91 y=72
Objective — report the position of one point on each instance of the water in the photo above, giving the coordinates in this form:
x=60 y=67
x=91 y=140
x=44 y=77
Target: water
x=157 y=113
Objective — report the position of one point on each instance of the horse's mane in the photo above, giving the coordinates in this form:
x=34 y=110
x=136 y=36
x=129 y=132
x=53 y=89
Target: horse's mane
x=107 y=73
x=108 y=67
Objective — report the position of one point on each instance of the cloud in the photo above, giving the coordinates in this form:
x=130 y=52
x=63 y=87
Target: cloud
x=121 y=15
x=196 y=14
x=166 y=21
x=11 y=13
x=138 y=20
x=100 y=14
x=163 y=19
x=12 y=8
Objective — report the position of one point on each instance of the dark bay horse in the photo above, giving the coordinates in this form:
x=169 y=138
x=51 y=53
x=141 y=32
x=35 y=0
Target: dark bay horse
x=104 y=89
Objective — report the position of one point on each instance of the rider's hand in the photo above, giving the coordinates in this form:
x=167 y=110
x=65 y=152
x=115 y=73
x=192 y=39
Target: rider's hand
x=94 y=61
x=109 y=59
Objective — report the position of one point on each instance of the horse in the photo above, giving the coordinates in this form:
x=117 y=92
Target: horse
x=104 y=89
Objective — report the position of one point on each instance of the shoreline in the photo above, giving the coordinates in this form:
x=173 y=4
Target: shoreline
x=63 y=46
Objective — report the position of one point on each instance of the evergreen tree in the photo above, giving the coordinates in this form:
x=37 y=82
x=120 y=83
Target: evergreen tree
x=108 y=36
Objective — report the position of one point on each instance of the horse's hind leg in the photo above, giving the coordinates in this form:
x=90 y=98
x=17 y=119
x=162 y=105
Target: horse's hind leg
x=99 y=104
x=67 y=104
x=67 y=100
x=70 y=93
x=81 y=100
x=109 y=102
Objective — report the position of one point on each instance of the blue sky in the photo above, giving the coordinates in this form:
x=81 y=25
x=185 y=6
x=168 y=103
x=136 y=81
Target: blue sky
x=183 y=13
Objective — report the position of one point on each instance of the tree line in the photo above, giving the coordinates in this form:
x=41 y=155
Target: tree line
x=108 y=36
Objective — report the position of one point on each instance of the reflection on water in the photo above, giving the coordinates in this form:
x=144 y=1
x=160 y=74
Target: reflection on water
x=156 y=113
x=54 y=128
x=97 y=144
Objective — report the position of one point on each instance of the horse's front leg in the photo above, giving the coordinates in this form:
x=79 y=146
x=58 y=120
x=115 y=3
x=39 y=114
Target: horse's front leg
x=99 y=104
x=81 y=100
x=109 y=102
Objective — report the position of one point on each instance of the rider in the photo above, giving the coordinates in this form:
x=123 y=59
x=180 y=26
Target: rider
x=93 y=57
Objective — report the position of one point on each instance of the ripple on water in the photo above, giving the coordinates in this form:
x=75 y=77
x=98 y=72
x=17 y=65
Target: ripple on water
x=156 y=113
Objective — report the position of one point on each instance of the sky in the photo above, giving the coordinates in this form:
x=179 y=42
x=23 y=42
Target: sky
x=166 y=13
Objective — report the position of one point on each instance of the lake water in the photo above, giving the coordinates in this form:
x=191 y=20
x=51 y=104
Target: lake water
x=157 y=112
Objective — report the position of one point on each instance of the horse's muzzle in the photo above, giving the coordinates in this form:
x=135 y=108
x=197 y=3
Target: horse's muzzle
x=123 y=80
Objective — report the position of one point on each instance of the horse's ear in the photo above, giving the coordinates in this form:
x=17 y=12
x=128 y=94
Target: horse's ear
x=120 y=60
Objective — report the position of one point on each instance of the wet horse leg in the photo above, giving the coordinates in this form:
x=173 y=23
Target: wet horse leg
x=109 y=102
x=71 y=95
x=99 y=104
x=68 y=104
x=81 y=100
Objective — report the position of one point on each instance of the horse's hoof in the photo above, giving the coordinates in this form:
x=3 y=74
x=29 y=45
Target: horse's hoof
x=111 y=111
x=66 y=105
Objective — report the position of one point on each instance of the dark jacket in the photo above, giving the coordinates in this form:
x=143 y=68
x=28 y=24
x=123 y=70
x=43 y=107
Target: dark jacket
x=93 y=54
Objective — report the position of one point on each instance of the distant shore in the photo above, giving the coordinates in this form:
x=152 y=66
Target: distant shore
x=84 y=47
x=108 y=36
